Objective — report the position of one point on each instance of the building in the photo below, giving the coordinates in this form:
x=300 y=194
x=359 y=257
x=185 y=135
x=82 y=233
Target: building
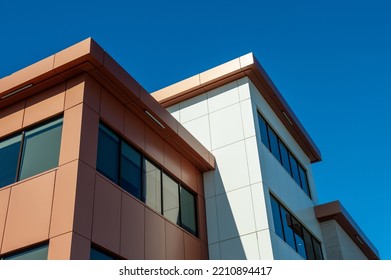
x=95 y=167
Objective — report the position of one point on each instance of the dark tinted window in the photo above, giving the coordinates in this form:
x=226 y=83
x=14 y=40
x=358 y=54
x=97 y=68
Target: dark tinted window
x=263 y=129
x=308 y=245
x=35 y=253
x=277 y=218
x=274 y=144
x=41 y=149
x=152 y=186
x=300 y=246
x=304 y=181
x=9 y=156
x=287 y=225
x=108 y=153
x=130 y=170
x=317 y=249
x=294 y=168
x=188 y=211
x=171 y=199
x=98 y=254
x=284 y=157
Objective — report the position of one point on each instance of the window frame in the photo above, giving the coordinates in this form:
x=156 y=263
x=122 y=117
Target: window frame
x=291 y=156
x=303 y=231
x=22 y=148
x=143 y=159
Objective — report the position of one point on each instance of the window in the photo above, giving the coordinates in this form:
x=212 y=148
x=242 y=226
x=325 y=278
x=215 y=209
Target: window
x=98 y=254
x=188 y=211
x=171 y=200
x=35 y=253
x=152 y=186
x=130 y=170
x=9 y=154
x=283 y=155
x=108 y=153
x=30 y=152
x=127 y=167
x=294 y=233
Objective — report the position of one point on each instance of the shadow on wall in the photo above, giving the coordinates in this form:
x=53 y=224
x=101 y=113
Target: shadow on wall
x=223 y=234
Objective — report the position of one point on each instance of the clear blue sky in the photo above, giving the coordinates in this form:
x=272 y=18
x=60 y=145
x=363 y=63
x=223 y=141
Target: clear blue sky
x=330 y=59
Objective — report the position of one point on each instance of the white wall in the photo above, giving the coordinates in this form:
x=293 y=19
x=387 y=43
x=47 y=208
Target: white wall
x=225 y=121
x=339 y=246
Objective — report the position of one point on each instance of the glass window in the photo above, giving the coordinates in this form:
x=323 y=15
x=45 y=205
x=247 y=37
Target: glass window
x=108 y=153
x=274 y=144
x=317 y=249
x=130 y=170
x=284 y=156
x=308 y=245
x=304 y=180
x=277 y=218
x=263 y=129
x=300 y=246
x=188 y=211
x=9 y=157
x=36 y=253
x=171 y=199
x=294 y=168
x=287 y=225
x=152 y=186
x=97 y=254
x=41 y=149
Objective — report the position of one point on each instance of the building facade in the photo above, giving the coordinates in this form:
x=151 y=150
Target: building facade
x=95 y=167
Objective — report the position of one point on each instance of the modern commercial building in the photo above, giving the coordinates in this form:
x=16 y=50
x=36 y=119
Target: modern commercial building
x=214 y=167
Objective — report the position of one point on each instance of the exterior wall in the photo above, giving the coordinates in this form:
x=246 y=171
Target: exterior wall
x=338 y=244
x=223 y=122
x=239 y=219
x=276 y=180
x=72 y=206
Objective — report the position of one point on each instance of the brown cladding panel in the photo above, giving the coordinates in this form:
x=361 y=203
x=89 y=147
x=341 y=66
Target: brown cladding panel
x=89 y=136
x=11 y=118
x=175 y=246
x=60 y=247
x=189 y=174
x=4 y=199
x=84 y=204
x=132 y=228
x=107 y=213
x=29 y=212
x=112 y=111
x=192 y=248
x=155 y=248
x=64 y=199
x=70 y=140
x=134 y=129
x=172 y=160
x=45 y=104
x=154 y=146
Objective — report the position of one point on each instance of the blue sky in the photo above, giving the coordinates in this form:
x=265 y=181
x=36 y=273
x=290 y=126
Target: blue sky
x=330 y=59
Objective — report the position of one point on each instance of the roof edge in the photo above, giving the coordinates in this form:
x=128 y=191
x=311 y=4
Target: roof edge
x=335 y=211
x=246 y=65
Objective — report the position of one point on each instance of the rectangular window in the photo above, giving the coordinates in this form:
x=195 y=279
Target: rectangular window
x=9 y=157
x=284 y=157
x=108 y=154
x=171 y=199
x=293 y=232
x=274 y=144
x=277 y=218
x=188 y=211
x=297 y=229
x=304 y=181
x=98 y=254
x=130 y=177
x=41 y=149
x=294 y=168
x=31 y=152
x=128 y=168
x=152 y=186
x=280 y=151
x=36 y=253
x=263 y=129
